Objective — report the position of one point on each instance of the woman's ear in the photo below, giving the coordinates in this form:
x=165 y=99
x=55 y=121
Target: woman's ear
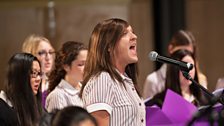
x=66 y=68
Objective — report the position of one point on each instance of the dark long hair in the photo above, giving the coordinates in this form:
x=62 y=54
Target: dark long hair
x=173 y=80
x=72 y=116
x=105 y=36
x=68 y=53
x=18 y=89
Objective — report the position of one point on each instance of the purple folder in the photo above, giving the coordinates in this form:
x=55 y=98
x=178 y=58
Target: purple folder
x=155 y=116
x=176 y=111
x=177 y=108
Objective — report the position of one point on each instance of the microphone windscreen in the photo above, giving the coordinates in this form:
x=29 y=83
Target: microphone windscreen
x=153 y=55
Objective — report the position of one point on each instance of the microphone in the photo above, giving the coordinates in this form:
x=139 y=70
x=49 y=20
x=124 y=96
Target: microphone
x=184 y=66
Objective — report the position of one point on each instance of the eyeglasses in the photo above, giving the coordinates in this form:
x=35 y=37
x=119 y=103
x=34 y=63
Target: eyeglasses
x=44 y=53
x=34 y=74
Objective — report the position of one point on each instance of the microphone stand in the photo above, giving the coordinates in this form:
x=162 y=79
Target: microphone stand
x=213 y=100
x=187 y=76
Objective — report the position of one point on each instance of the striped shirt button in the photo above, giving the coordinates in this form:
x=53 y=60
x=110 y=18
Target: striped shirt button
x=142 y=120
x=133 y=89
x=140 y=104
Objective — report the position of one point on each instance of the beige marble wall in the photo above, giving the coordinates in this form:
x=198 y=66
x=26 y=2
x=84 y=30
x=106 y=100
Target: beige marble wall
x=15 y=24
x=205 y=18
x=141 y=18
x=76 y=22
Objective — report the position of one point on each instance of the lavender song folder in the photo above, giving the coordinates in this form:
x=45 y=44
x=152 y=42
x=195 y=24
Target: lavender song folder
x=155 y=116
x=175 y=111
x=177 y=108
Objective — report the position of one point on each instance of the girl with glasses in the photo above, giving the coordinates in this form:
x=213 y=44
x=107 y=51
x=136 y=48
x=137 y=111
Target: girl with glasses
x=41 y=47
x=20 y=100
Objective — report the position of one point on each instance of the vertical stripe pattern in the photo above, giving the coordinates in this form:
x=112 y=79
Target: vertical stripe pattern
x=62 y=96
x=127 y=107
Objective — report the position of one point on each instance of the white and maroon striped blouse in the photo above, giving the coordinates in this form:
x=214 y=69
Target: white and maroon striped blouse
x=123 y=104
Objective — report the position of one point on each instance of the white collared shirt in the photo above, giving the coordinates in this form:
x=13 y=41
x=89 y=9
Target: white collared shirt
x=123 y=104
x=4 y=98
x=62 y=96
x=155 y=82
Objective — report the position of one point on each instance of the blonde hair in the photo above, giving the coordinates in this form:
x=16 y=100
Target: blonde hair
x=31 y=43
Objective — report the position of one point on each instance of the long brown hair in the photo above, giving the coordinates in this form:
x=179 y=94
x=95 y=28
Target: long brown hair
x=104 y=37
x=68 y=53
x=173 y=80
